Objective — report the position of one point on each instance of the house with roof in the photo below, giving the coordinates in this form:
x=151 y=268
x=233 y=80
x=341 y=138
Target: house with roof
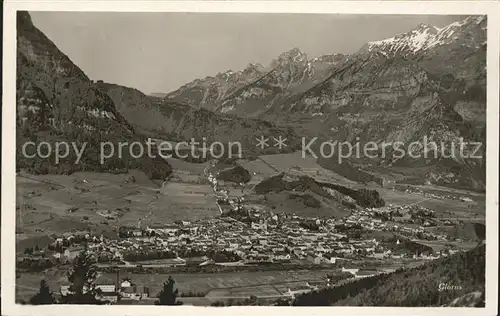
x=137 y=233
x=222 y=242
x=71 y=254
x=281 y=256
x=334 y=259
x=257 y=258
x=136 y=292
x=344 y=249
x=164 y=229
x=106 y=288
x=110 y=297
x=125 y=283
x=262 y=225
x=278 y=249
x=64 y=290
x=377 y=255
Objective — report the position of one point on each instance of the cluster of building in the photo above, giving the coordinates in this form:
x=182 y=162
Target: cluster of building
x=110 y=292
x=262 y=236
x=257 y=236
x=272 y=238
x=439 y=196
x=408 y=220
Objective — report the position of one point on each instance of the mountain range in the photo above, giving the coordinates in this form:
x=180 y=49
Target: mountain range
x=292 y=79
x=57 y=102
x=427 y=82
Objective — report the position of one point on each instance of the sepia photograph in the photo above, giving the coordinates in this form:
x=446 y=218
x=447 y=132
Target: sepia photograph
x=250 y=158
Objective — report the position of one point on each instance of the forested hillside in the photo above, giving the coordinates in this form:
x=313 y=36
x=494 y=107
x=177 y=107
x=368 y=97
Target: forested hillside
x=465 y=272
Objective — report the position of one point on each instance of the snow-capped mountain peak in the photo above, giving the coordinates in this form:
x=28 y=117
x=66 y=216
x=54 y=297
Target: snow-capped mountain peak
x=424 y=37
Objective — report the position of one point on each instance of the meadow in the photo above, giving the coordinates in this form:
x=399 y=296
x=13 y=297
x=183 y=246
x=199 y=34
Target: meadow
x=100 y=203
x=214 y=285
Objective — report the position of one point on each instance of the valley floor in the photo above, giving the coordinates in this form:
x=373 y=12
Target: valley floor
x=53 y=206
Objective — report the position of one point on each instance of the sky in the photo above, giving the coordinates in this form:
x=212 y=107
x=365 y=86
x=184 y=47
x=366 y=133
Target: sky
x=159 y=52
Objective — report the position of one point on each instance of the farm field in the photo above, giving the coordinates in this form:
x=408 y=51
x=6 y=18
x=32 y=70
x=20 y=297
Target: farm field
x=55 y=204
x=293 y=163
x=283 y=203
x=233 y=281
x=445 y=208
x=222 y=284
x=438 y=245
x=100 y=202
x=193 y=168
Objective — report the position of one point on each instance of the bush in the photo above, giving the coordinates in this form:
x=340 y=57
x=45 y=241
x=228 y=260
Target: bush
x=309 y=225
x=237 y=174
x=369 y=198
x=407 y=287
x=475 y=93
x=192 y=294
x=307 y=200
x=225 y=256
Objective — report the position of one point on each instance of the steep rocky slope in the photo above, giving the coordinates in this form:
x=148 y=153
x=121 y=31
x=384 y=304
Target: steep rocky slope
x=250 y=92
x=57 y=102
x=208 y=92
x=176 y=121
x=299 y=85
x=397 y=91
x=429 y=82
x=426 y=82
x=424 y=38
x=53 y=92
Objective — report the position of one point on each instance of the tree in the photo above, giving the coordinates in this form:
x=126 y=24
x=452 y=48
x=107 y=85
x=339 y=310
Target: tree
x=82 y=277
x=44 y=295
x=168 y=295
x=252 y=300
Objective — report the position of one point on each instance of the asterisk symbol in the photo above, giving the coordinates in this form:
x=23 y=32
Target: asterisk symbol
x=280 y=142
x=262 y=142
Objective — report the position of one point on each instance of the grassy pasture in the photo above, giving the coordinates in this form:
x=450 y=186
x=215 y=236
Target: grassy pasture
x=54 y=204
x=215 y=285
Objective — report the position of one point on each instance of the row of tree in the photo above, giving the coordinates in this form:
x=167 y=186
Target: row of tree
x=31 y=250
x=150 y=255
x=155 y=168
x=35 y=265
